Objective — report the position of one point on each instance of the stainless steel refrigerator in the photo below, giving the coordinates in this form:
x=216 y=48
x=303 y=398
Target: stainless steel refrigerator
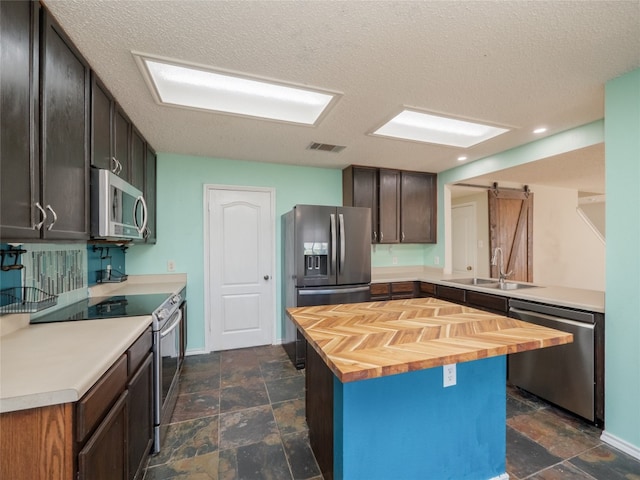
x=327 y=260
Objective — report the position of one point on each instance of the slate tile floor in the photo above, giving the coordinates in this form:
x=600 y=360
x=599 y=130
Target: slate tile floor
x=240 y=416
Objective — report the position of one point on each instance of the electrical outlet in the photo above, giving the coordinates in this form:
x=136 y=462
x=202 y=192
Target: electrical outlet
x=171 y=266
x=436 y=260
x=394 y=260
x=449 y=375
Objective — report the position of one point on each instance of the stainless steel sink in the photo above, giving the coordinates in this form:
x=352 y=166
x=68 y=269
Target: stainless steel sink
x=474 y=281
x=491 y=283
x=512 y=286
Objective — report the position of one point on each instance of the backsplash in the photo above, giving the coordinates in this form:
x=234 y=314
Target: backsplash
x=56 y=269
x=65 y=270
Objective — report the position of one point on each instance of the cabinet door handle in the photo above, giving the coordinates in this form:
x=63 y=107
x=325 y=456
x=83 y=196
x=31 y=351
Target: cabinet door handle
x=55 y=217
x=375 y=236
x=381 y=236
x=403 y=236
x=43 y=214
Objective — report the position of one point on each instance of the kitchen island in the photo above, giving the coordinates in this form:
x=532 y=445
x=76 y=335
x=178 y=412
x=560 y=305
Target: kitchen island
x=376 y=404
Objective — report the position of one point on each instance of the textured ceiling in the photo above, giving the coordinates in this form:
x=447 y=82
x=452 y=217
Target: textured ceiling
x=515 y=63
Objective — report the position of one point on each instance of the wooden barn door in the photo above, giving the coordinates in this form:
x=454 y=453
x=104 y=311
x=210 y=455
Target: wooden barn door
x=511 y=228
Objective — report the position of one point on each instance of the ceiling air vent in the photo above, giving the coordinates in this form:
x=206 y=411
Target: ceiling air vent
x=325 y=147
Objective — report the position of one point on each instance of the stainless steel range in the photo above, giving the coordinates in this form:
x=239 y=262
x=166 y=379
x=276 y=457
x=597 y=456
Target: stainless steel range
x=168 y=355
x=169 y=328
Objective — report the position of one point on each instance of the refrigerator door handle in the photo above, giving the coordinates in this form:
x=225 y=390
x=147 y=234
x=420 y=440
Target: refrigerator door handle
x=343 y=235
x=334 y=243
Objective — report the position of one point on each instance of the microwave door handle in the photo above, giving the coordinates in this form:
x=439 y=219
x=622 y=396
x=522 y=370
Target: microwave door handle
x=140 y=228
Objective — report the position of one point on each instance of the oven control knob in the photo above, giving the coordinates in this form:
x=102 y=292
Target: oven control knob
x=175 y=299
x=162 y=314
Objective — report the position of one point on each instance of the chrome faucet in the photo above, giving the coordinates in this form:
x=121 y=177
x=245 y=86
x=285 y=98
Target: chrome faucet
x=500 y=264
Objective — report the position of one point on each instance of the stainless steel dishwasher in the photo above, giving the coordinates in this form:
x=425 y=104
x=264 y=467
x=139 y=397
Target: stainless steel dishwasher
x=565 y=375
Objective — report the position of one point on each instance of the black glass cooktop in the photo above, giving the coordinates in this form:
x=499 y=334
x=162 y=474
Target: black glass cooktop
x=96 y=308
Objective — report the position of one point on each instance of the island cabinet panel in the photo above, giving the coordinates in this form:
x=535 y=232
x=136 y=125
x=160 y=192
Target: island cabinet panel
x=418 y=207
x=37 y=443
x=424 y=433
x=389 y=206
x=319 y=407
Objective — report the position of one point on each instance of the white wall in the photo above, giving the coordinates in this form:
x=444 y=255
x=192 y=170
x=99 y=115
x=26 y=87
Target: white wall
x=566 y=252
x=482 y=228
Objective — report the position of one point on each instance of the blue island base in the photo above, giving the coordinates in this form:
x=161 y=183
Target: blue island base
x=409 y=427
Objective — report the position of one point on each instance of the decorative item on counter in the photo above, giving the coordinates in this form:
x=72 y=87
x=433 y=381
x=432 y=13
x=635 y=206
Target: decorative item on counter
x=110 y=275
x=25 y=300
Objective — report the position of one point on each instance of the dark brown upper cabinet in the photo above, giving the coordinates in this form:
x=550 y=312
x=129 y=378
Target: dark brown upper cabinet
x=137 y=160
x=101 y=124
x=418 y=200
x=19 y=160
x=122 y=142
x=403 y=204
x=45 y=128
x=150 y=234
x=360 y=189
x=388 y=206
x=64 y=134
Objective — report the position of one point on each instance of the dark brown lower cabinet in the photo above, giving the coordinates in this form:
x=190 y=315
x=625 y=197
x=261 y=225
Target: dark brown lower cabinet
x=140 y=424
x=104 y=456
x=106 y=435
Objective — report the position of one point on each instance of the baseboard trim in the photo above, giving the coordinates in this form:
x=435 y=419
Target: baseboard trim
x=504 y=476
x=620 y=444
x=201 y=351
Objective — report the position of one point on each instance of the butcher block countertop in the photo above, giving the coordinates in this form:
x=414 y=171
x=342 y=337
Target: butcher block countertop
x=359 y=341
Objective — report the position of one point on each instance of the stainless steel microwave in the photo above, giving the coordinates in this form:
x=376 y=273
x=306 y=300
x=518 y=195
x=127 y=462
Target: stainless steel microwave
x=118 y=209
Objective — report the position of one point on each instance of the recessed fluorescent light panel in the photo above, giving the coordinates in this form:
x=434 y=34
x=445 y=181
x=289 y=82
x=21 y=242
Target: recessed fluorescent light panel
x=425 y=127
x=201 y=88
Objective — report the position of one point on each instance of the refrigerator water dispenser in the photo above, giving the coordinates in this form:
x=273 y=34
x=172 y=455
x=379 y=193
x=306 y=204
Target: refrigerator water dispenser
x=316 y=256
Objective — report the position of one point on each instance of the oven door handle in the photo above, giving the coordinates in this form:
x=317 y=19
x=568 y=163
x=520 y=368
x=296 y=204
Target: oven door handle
x=172 y=327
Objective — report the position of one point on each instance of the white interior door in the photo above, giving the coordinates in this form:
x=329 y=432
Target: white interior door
x=464 y=240
x=241 y=264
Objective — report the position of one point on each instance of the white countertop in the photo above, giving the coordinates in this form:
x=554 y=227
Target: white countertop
x=53 y=363
x=590 y=300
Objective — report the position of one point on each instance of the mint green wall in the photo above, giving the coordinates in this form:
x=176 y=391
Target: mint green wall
x=576 y=138
x=405 y=255
x=181 y=180
x=622 y=338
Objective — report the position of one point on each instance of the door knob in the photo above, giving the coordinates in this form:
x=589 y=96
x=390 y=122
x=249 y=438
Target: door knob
x=469 y=268
x=266 y=277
